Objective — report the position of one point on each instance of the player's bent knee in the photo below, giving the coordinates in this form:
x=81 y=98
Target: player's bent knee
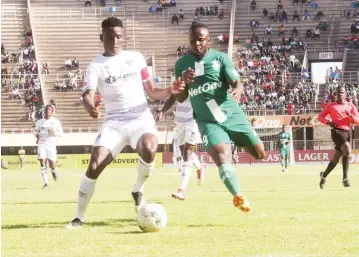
x=147 y=147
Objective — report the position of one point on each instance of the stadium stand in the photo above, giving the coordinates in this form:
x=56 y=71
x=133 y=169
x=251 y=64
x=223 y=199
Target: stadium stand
x=14 y=20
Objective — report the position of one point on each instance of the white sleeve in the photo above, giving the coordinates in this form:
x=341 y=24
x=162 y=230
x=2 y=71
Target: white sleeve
x=58 y=129
x=91 y=79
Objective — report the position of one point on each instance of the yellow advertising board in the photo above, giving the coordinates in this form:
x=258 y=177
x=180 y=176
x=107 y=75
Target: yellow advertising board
x=73 y=161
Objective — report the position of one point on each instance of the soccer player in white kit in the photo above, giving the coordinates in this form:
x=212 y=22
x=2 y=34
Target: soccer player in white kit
x=47 y=129
x=187 y=136
x=122 y=78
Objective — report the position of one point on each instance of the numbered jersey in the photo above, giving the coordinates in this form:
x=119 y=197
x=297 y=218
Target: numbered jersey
x=284 y=137
x=209 y=94
x=42 y=128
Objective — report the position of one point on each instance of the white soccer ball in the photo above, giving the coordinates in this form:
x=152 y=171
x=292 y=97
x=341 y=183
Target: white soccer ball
x=152 y=217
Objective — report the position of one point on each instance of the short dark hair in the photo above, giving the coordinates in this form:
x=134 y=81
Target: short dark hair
x=111 y=22
x=196 y=25
x=49 y=106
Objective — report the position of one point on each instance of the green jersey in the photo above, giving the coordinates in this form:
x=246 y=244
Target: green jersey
x=284 y=138
x=209 y=96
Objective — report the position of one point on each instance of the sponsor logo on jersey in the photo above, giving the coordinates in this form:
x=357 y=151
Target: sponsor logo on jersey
x=113 y=79
x=216 y=65
x=204 y=88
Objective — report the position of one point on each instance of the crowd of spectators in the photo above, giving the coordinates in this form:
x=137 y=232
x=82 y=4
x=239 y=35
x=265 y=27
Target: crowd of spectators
x=208 y=11
x=352 y=90
x=182 y=50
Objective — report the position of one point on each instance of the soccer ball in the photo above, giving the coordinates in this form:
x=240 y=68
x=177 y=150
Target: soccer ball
x=152 y=217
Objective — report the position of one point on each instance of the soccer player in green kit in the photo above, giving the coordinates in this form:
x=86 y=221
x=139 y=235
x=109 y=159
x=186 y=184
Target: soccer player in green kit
x=212 y=83
x=284 y=149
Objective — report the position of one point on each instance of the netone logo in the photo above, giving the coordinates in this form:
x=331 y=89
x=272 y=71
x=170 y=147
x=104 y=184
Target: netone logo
x=204 y=88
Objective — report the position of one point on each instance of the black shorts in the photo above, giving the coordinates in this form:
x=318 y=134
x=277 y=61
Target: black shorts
x=340 y=137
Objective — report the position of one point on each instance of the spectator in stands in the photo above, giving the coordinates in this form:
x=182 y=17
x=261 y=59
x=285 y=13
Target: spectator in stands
x=316 y=33
x=295 y=2
x=181 y=14
x=75 y=64
x=2 y=48
x=353 y=29
x=253 y=5
x=281 y=30
x=284 y=16
x=295 y=15
x=88 y=3
x=103 y=3
x=269 y=30
x=279 y=5
x=305 y=15
x=254 y=24
x=294 y=31
x=226 y=38
x=174 y=19
x=220 y=39
x=265 y=12
x=236 y=38
x=68 y=63
x=319 y=15
x=221 y=14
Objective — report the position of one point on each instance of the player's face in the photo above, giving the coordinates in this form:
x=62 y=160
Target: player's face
x=284 y=128
x=112 y=39
x=341 y=94
x=199 y=41
x=48 y=112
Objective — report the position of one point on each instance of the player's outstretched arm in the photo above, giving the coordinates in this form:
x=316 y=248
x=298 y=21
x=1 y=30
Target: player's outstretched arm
x=58 y=130
x=88 y=98
x=354 y=115
x=179 y=89
x=156 y=93
x=322 y=117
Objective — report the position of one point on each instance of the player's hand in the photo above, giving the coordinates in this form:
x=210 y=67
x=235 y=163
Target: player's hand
x=236 y=94
x=37 y=138
x=95 y=112
x=158 y=116
x=178 y=86
x=332 y=124
x=348 y=113
x=188 y=76
x=51 y=132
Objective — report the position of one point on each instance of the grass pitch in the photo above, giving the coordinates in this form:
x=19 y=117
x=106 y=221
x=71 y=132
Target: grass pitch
x=291 y=216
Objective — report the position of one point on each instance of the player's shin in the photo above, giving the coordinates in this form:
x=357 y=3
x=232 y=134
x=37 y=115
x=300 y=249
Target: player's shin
x=329 y=168
x=44 y=175
x=196 y=162
x=144 y=171
x=86 y=191
x=186 y=173
x=229 y=178
x=345 y=166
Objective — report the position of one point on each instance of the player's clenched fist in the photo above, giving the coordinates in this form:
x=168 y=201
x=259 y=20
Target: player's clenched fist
x=95 y=112
x=178 y=86
x=188 y=76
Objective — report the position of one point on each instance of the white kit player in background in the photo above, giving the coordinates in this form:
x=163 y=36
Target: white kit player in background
x=47 y=130
x=186 y=137
x=122 y=78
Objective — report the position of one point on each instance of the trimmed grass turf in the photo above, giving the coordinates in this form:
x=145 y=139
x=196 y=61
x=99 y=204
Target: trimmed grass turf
x=291 y=216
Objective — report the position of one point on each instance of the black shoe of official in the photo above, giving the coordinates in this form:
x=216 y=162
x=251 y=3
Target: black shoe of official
x=45 y=186
x=322 y=180
x=54 y=175
x=138 y=199
x=75 y=223
x=346 y=182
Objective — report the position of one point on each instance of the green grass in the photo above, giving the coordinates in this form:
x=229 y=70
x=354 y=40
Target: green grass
x=291 y=216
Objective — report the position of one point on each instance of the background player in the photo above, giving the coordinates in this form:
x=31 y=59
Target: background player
x=186 y=137
x=122 y=78
x=21 y=153
x=47 y=129
x=284 y=139
x=212 y=84
x=342 y=115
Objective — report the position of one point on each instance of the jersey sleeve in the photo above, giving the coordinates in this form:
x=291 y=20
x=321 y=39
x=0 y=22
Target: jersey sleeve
x=58 y=129
x=145 y=75
x=91 y=79
x=229 y=70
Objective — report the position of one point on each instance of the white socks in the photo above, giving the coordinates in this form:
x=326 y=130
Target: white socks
x=186 y=173
x=144 y=171
x=196 y=162
x=87 y=188
x=44 y=175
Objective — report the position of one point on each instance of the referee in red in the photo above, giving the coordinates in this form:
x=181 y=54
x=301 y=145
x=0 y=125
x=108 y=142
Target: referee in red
x=342 y=115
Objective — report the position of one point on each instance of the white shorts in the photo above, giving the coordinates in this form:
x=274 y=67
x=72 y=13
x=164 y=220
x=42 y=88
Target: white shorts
x=115 y=135
x=187 y=133
x=47 y=152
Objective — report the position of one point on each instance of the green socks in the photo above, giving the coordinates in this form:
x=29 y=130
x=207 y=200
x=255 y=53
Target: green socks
x=229 y=177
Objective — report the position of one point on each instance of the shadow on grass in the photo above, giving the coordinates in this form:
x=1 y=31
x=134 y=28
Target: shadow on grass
x=135 y=232
x=68 y=202
x=206 y=225
x=114 y=223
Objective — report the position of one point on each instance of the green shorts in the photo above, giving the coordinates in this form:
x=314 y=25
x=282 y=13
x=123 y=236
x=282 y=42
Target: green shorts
x=284 y=153
x=239 y=130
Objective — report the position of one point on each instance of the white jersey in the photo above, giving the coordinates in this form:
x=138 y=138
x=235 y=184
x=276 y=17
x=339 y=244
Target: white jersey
x=42 y=128
x=118 y=80
x=184 y=112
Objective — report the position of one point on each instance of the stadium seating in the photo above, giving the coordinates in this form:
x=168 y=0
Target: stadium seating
x=14 y=19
